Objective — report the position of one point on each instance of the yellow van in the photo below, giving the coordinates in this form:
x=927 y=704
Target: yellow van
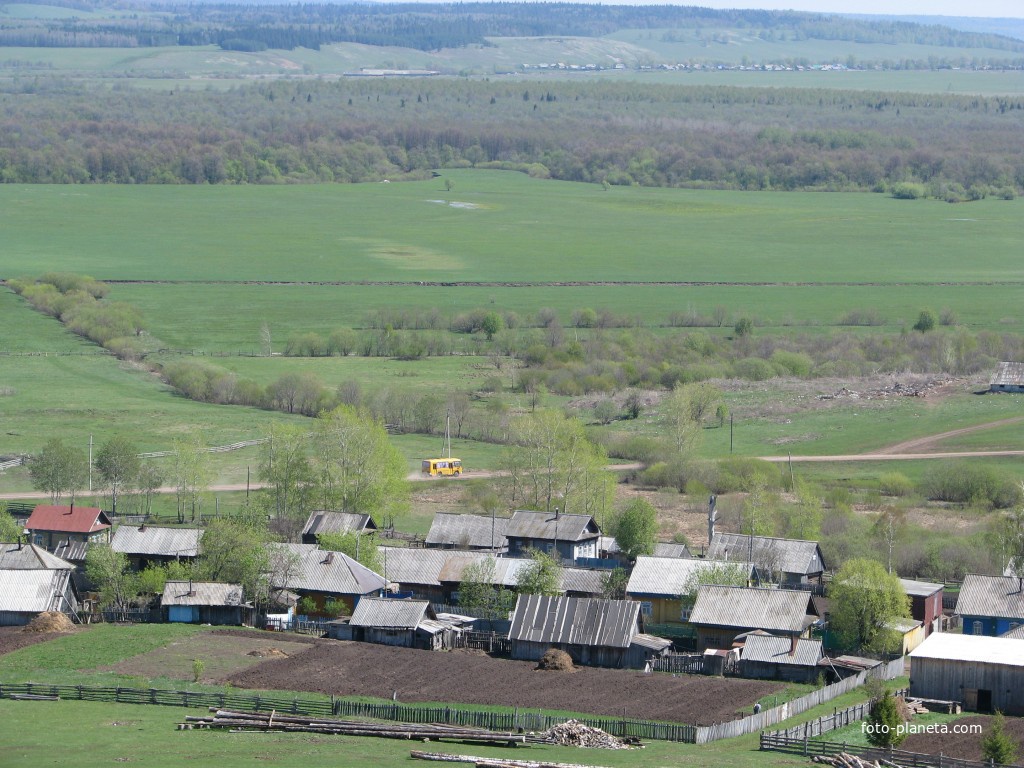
x=443 y=467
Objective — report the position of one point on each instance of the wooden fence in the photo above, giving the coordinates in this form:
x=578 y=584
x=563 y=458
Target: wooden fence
x=770 y=717
x=495 y=721
x=838 y=719
x=680 y=663
x=806 y=747
x=491 y=642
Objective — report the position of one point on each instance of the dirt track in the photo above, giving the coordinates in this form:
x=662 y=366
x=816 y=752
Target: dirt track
x=362 y=669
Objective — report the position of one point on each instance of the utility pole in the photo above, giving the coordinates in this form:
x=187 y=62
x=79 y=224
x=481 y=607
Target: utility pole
x=90 y=463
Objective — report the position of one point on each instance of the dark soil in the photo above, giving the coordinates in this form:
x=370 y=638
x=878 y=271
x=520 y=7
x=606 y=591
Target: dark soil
x=13 y=638
x=363 y=669
x=966 y=746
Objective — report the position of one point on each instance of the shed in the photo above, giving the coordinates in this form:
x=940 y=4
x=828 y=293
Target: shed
x=664 y=586
x=770 y=657
x=404 y=623
x=925 y=603
x=50 y=524
x=205 y=602
x=982 y=673
x=322 y=521
x=721 y=613
x=990 y=605
x=25 y=593
x=910 y=631
x=788 y=561
x=571 y=536
x=144 y=545
x=1009 y=377
x=600 y=633
x=454 y=531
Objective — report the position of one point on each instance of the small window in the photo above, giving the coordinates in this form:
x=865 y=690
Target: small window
x=977 y=628
x=684 y=612
x=646 y=609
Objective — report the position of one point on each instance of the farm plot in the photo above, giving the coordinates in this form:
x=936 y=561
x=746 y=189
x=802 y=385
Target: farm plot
x=358 y=669
x=966 y=746
x=13 y=638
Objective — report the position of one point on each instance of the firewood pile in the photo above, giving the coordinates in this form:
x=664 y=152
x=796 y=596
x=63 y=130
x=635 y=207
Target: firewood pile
x=573 y=733
x=238 y=722
x=844 y=760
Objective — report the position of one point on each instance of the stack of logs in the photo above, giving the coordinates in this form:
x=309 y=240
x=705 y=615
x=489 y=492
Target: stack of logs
x=236 y=721
x=844 y=760
x=575 y=734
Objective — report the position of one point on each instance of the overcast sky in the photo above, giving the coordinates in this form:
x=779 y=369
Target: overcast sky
x=1000 y=8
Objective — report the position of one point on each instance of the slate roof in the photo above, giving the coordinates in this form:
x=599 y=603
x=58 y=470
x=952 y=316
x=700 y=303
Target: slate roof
x=977 y=649
x=389 y=614
x=995 y=596
x=71 y=519
x=771 y=649
x=575 y=621
x=159 y=542
x=33 y=590
x=769 y=553
x=72 y=551
x=337 y=522
x=1008 y=374
x=920 y=588
x=1017 y=633
x=774 y=610
x=333 y=573
x=466 y=531
x=29 y=557
x=667 y=576
x=663 y=549
x=527 y=524
x=582 y=580
x=201 y=593
x=405 y=565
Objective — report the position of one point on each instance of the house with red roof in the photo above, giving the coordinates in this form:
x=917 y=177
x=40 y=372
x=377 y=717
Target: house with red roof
x=50 y=525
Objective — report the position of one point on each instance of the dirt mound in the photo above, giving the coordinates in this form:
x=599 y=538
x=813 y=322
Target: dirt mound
x=573 y=733
x=50 y=621
x=556 y=661
x=267 y=653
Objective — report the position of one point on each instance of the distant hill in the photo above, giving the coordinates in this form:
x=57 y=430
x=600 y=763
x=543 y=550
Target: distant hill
x=1004 y=27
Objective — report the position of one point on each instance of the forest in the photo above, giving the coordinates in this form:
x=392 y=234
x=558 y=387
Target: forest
x=951 y=147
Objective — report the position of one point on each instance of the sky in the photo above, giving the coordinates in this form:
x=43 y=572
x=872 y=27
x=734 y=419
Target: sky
x=1013 y=9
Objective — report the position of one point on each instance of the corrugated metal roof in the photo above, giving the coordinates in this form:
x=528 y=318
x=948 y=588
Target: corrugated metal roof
x=651 y=642
x=70 y=519
x=767 y=552
x=337 y=522
x=389 y=614
x=1009 y=374
x=72 y=551
x=201 y=593
x=668 y=576
x=575 y=621
x=32 y=591
x=421 y=566
x=527 y=524
x=996 y=596
x=30 y=557
x=920 y=588
x=978 y=649
x=449 y=529
x=608 y=544
x=582 y=580
x=771 y=649
x=662 y=549
x=317 y=570
x=1017 y=633
x=160 y=542
x=774 y=610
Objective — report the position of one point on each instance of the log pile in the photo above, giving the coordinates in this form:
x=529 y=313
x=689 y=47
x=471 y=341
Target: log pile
x=237 y=721
x=572 y=733
x=845 y=760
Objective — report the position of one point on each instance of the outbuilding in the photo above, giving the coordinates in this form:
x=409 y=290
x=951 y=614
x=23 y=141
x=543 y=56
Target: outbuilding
x=769 y=657
x=983 y=673
x=205 y=602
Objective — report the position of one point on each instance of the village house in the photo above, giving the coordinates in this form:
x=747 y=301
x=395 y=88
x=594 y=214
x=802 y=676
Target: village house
x=990 y=605
x=50 y=525
x=1009 y=377
x=571 y=536
x=769 y=657
x=600 y=633
x=403 y=623
x=33 y=581
x=785 y=561
x=204 y=602
x=925 y=603
x=464 y=531
x=983 y=673
x=146 y=545
x=671 y=549
x=322 y=522
x=311 y=572
x=721 y=613
x=666 y=586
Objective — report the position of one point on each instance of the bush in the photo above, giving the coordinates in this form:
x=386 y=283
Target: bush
x=739 y=474
x=754 y=369
x=895 y=484
x=883 y=721
x=794 y=363
x=998 y=746
x=909 y=191
x=966 y=483
x=926 y=321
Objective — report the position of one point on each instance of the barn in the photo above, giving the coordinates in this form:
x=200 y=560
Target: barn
x=769 y=657
x=403 y=623
x=205 y=602
x=983 y=673
x=147 y=545
x=33 y=581
x=1009 y=377
x=599 y=633
x=454 y=531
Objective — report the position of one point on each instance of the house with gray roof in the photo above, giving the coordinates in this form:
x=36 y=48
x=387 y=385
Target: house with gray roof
x=990 y=605
x=1009 y=377
x=666 y=586
x=404 y=623
x=785 y=561
x=321 y=522
x=29 y=557
x=144 y=545
x=671 y=549
x=570 y=536
x=309 y=571
x=464 y=531
x=770 y=657
x=594 y=632
x=721 y=613
x=205 y=602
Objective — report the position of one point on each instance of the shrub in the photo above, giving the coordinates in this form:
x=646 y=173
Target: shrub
x=883 y=722
x=754 y=369
x=926 y=321
x=793 y=363
x=744 y=327
x=967 y=483
x=998 y=746
x=908 y=191
x=738 y=474
x=895 y=484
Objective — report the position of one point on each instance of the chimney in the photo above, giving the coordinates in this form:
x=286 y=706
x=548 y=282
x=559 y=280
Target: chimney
x=71 y=509
x=142 y=528
x=329 y=559
x=191 y=591
x=792 y=645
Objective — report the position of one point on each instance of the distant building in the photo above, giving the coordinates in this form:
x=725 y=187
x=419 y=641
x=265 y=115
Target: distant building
x=788 y=561
x=145 y=545
x=790 y=658
x=455 y=531
x=320 y=575
x=665 y=586
x=722 y=613
x=925 y=603
x=33 y=581
x=571 y=536
x=205 y=602
x=990 y=605
x=50 y=525
x=1009 y=377
x=404 y=623
x=322 y=522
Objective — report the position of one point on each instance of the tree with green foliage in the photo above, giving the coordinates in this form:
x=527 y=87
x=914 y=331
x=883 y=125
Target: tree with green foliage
x=543 y=576
x=1012 y=539
x=614 y=583
x=926 y=321
x=109 y=573
x=361 y=547
x=635 y=528
x=190 y=474
x=883 y=722
x=479 y=592
x=743 y=327
x=285 y=469
x=492 y=324
x=59 y=469
x=997 y=745
x=866 y=600
x=118 y=464
x=10 y=531
x=235 y=553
